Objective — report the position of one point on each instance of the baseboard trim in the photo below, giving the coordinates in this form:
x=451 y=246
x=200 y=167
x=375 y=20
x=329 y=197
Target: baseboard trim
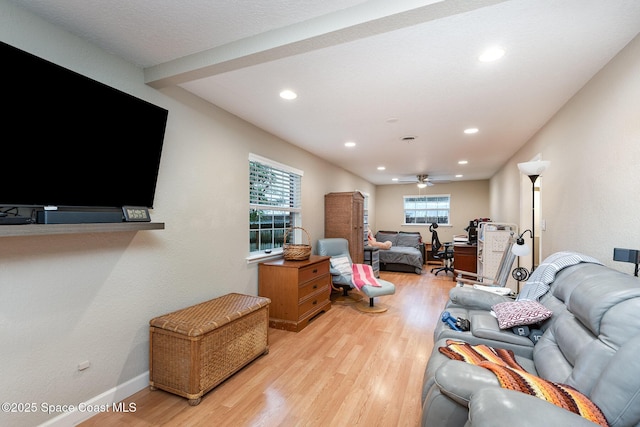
x=105 y=400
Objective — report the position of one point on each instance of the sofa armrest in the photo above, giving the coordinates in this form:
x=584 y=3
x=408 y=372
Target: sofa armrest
x=460 y=380
x=498 y=407
x=474 y=298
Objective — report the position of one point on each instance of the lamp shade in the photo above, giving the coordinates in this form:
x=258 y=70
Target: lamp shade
x=534 y=168
x=521 y=250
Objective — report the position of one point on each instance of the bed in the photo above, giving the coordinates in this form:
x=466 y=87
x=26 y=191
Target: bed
x=406 y=253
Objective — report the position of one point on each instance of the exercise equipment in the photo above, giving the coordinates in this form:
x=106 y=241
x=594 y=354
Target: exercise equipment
x=451 y=321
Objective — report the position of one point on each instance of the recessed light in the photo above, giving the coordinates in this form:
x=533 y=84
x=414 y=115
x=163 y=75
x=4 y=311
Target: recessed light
x=349 y=144
x=459 y=176
x=381 y=168
x=288 y=94
x=394 y=179
x=392 y=120
x=491 y=54
x=471 y=131
x=463 y=162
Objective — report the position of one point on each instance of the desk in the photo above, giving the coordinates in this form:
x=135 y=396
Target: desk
x=429 y=255
x=465 y=257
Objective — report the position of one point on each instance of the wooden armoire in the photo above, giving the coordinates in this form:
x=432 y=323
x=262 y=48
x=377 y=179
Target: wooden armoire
x=344 y=217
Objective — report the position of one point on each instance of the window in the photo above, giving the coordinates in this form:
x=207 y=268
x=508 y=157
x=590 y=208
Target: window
x=427 y=209
x=274 y=203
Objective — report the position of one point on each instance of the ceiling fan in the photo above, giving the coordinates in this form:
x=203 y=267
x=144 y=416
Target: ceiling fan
x=423 y=181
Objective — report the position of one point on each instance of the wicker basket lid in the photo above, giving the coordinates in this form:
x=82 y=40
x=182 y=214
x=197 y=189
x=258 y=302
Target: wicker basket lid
x=209 y=315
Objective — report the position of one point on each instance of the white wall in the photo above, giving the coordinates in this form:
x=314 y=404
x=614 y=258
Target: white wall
x=469 y=200
x=589 y=195
x=65 y=299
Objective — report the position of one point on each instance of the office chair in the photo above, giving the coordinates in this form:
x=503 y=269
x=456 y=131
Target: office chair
x=440 y=251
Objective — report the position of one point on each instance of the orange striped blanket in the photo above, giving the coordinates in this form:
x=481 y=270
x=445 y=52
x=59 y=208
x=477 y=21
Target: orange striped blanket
x=512 y=376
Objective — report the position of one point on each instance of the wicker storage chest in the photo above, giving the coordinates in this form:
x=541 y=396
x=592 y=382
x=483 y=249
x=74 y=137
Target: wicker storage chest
x=194 y=349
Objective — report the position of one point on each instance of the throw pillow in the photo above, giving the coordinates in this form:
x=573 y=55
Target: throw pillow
x=518 y=313
x=341 y=264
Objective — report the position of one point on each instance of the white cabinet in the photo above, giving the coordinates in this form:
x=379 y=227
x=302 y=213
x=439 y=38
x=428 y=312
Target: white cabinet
x=493 y=238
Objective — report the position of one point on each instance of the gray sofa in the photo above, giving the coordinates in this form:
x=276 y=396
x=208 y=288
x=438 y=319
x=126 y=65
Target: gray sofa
x=406 y=253
x=591 y=342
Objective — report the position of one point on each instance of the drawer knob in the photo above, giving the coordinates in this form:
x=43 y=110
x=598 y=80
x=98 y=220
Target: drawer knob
x=315 y=301
x=315 y=270
x=315 y=286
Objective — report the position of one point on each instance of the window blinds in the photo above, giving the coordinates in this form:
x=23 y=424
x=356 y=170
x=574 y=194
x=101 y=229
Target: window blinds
x=273 y=186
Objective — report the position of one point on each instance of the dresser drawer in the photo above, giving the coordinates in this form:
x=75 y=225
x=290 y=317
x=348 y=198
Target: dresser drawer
x=313 y=286
x=313 y=303
x=312 y=272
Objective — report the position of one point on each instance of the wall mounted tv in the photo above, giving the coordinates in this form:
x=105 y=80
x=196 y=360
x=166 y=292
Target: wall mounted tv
x=70 y=141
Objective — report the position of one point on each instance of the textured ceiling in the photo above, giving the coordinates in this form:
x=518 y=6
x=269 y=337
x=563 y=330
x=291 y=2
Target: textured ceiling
x=371 y=72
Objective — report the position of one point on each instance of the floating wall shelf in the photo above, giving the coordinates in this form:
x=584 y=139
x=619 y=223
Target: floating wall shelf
x=45 y=229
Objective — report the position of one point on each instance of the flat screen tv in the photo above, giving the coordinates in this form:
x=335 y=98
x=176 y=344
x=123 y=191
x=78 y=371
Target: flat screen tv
x=70 y=141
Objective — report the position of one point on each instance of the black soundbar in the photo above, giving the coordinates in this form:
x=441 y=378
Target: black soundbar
x=77 y=217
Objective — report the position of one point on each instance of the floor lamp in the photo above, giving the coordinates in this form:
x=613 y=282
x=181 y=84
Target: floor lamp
x=533 y=170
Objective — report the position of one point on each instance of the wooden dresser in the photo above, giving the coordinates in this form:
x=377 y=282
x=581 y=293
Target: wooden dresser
x=299 y=290
x=344 y=217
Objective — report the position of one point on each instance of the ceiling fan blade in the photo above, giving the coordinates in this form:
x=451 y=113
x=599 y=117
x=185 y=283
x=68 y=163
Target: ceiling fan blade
x=424 y=179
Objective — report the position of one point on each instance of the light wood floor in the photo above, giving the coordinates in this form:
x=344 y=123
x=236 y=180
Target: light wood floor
x=347 y=368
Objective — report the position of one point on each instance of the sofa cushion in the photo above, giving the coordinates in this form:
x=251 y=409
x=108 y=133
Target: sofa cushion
x=514 y=377
x=408 y=239
x=387 y=236
x=517 y=313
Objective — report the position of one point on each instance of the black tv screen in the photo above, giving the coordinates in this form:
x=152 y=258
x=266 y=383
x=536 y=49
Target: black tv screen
x=70 y=141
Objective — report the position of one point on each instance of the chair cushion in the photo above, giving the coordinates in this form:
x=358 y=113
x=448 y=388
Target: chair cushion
x=518 y=313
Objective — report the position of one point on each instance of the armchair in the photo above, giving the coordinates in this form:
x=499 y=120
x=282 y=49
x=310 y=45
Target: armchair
x=336 y=248
x=341 y=276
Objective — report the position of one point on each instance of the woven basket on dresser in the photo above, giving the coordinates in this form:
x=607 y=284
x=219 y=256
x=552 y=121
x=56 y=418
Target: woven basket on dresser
x=296 y=252
x=195 y=349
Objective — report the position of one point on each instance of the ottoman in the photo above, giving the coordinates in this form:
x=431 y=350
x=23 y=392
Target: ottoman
x=195 y=349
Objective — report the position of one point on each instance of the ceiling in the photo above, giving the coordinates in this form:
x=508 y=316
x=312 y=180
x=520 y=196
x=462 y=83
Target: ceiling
x=371 y=72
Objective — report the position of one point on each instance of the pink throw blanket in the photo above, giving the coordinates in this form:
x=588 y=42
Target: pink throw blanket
x=363 y=275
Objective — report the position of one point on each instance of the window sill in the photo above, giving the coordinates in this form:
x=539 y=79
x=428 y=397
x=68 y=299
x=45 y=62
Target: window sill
x=263 y=256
